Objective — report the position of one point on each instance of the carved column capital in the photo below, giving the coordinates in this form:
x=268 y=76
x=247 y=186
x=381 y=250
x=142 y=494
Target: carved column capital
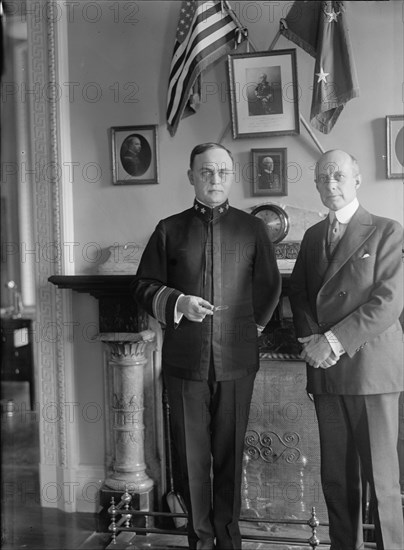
x=127 y=347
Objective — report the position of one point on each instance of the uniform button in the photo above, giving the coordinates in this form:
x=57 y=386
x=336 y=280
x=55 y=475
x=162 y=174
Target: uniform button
x=342 y=293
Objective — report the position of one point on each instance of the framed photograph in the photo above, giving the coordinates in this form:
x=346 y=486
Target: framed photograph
x=395 y=146
x=134 y=155
x=263 y=94
x=269 y=172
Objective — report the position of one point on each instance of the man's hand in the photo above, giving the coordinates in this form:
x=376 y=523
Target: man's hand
x=194 y=308
x=317 y=352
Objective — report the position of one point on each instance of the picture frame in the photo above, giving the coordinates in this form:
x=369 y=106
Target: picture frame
x=395 y=146
x=134 y=155
x=264 y=94
x=269 y=172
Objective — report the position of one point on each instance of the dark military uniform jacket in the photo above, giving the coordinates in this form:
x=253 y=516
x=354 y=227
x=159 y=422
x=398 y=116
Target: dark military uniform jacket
x=225 y=256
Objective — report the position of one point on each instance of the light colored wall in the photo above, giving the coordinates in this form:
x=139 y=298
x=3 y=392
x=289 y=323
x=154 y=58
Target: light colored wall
x=112 y=55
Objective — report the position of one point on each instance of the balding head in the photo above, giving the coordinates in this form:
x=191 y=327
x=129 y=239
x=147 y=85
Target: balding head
x=268 y=163
x=337 y=178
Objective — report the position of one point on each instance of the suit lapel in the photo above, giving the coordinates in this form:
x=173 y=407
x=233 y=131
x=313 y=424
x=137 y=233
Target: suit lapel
x=318 y=256
x=358 y=231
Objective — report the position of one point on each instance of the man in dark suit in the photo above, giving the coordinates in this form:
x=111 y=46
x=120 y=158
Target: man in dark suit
x=209 y=274
x=132 y=157
x=346 y=293
x=267 y=178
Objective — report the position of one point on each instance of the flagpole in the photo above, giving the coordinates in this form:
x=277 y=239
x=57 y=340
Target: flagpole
x=224 y=133
x=274 y=41
x=313 y=137
x=237 y=21
x=302 y=119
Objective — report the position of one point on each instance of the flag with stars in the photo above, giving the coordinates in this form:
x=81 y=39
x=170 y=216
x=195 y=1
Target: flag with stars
x=206 y=31
x=320 y=28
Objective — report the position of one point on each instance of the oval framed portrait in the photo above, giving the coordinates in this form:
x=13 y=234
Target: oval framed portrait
x=134 y=155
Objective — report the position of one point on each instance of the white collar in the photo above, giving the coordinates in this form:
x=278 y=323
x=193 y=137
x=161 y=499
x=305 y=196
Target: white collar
x=345 y=213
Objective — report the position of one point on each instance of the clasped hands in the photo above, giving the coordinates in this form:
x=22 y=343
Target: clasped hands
x=317 y=351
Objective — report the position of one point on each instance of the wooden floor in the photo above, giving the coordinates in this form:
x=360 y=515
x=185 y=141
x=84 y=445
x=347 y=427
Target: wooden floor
x=27 y=525
x=24 y=523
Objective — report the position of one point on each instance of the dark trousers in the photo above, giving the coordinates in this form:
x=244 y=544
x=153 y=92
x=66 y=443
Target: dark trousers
x=209 y=421
x=358 y=433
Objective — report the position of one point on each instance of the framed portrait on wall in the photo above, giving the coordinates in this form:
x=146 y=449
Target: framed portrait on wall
x=264 y=94
x=395 y=146
x=269 y=172
x=134 y=155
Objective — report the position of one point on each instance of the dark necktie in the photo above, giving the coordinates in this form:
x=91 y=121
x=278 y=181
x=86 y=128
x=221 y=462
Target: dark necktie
x=334 y=236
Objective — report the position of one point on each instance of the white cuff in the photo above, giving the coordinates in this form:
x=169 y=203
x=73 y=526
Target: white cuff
x=177 y=316
x=335 y=344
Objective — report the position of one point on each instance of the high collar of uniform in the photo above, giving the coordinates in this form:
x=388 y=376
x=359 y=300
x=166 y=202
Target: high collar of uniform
x=207 y=213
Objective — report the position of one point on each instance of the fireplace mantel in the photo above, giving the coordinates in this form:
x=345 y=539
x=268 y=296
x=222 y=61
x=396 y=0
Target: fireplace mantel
x=103 y=285
x=96 y=285
x=118 y=312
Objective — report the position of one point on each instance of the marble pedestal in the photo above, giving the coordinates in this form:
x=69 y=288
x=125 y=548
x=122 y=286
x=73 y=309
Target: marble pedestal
x=127 y=359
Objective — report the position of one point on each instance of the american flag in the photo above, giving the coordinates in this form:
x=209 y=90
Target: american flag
x=206 y=31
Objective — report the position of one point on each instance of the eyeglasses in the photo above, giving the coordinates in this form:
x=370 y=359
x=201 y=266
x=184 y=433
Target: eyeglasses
x=323 y=179
x=207 y=174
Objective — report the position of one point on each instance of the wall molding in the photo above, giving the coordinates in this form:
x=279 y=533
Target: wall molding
x=53 y=227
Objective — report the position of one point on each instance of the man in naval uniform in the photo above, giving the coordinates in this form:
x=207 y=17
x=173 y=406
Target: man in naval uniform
x=346 y=293
x=264 y=94
x=209 y=275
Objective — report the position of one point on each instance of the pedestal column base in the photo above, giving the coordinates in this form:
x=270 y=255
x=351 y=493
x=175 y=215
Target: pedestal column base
x=127 y=471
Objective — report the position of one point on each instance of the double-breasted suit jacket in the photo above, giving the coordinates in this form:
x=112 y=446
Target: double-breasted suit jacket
x=358 y=294
x=225 y=256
